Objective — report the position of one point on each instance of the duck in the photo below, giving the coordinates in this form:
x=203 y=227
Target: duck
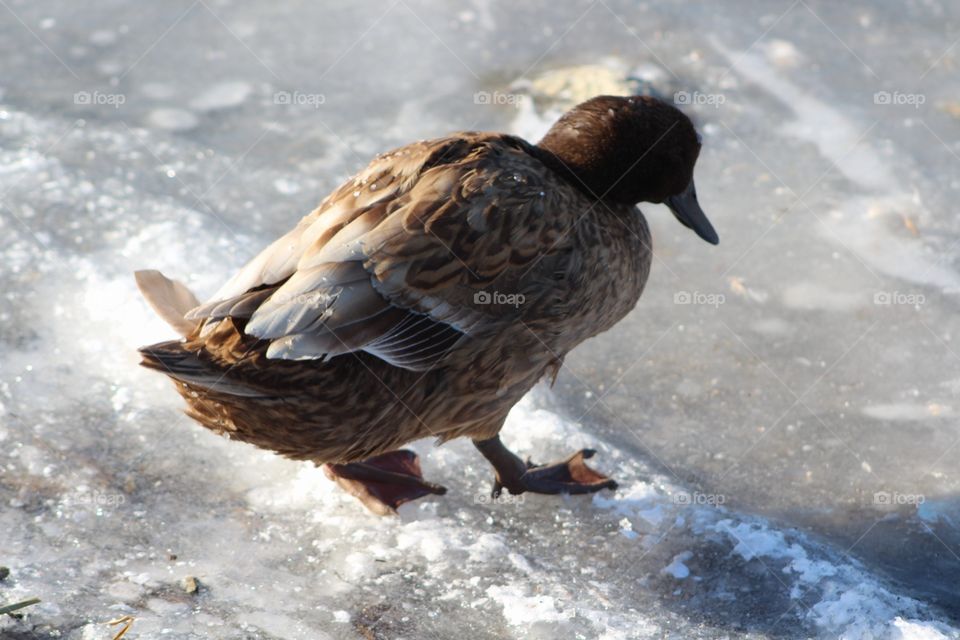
x=427 y=294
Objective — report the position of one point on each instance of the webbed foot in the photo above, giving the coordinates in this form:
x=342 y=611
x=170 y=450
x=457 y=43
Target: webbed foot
x=572 y=475
x=382 y=483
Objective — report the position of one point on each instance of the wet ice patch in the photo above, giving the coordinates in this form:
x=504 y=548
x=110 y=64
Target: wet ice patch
x=677 y=568
x=859 y=223
x=782 y=53
x=223 y=95
x=158 y=90
x=816 y=121
x=286 y=187
x=774 y=327
x=812 y=296
x=907 y=411
x=172 y=119
x=942 y=510
x=873 y=227
x=103 y=37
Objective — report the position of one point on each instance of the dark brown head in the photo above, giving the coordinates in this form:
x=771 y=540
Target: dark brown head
x=629 y=150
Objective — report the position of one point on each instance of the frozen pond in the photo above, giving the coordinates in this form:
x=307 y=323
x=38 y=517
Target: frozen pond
x=781 y=411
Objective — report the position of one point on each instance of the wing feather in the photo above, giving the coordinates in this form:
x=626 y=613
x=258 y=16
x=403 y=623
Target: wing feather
x=391 y=262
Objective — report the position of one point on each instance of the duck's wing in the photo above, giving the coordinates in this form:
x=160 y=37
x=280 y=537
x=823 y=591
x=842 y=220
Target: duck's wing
x=429 y=244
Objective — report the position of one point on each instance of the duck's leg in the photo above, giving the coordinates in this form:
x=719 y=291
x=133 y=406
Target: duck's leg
x=384 y=482
x=569 y=476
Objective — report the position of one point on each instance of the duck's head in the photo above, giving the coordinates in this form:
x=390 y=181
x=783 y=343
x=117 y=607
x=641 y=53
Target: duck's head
x=630 y=150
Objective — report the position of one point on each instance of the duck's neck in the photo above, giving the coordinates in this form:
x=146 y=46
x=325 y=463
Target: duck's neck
x=564 y=169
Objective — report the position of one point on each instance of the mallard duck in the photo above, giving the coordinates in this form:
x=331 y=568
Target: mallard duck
x=430 y=292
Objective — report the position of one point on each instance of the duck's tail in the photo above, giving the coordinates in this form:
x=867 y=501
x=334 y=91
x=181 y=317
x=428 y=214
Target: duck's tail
x=169 y=298
x=172 y=300
x=176 y=360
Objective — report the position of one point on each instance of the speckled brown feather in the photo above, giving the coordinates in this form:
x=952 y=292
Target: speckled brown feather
x=428 y=226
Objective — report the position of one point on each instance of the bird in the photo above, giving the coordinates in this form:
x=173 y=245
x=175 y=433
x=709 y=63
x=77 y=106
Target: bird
x=429 y=293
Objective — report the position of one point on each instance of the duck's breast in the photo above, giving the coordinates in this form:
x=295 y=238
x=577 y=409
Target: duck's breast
x=603 y=276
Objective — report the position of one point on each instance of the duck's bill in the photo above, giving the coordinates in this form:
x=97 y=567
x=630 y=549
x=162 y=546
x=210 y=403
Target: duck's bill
x=687 y=210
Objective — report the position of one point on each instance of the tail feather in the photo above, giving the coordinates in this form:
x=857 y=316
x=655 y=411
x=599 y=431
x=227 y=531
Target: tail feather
x=181 y=364
x=169 y=298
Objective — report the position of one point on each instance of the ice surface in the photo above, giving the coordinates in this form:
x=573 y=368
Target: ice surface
x=223 y=95
x=677 y=568
x=785 y=450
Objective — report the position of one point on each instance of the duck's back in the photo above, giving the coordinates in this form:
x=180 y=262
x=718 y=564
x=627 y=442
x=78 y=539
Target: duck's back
x=410 y=245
